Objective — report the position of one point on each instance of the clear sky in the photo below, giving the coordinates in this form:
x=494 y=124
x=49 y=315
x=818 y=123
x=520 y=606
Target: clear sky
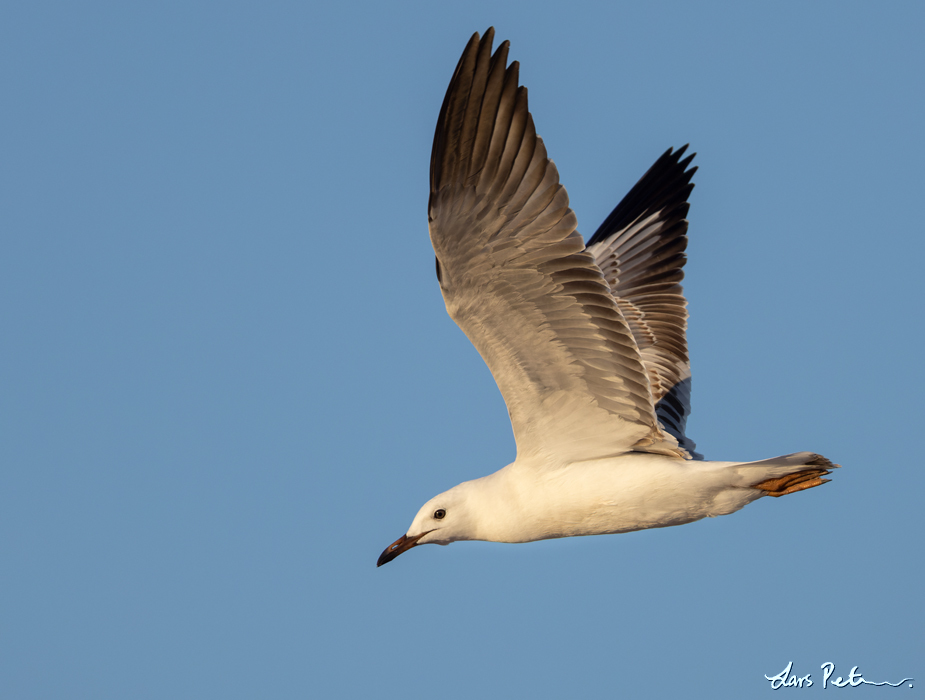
x=228 y=381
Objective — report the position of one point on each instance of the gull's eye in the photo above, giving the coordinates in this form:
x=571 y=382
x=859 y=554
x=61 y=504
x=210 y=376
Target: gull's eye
x=439 y=513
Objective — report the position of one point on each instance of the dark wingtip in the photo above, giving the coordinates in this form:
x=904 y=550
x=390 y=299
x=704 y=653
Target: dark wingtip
x=666 y=184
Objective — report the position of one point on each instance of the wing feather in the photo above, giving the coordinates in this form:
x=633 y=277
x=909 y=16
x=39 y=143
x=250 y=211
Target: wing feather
x=517 y=280
x=640 y=249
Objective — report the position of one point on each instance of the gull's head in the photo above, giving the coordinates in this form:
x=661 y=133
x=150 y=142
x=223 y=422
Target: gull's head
x=443 y=519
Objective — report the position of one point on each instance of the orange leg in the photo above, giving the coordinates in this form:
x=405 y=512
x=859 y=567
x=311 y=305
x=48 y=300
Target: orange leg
x=791 y=483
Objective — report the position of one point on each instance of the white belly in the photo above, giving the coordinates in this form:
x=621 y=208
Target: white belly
x=634 y=491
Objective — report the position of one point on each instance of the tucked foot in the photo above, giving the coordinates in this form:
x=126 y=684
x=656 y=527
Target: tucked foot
x=817 y=467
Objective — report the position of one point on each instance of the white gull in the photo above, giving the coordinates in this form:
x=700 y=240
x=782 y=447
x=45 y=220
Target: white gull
x=587 y=344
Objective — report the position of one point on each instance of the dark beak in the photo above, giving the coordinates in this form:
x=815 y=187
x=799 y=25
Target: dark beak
x=402 y=544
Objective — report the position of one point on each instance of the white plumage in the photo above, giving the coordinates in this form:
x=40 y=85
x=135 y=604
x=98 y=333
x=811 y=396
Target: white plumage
x=587 y=344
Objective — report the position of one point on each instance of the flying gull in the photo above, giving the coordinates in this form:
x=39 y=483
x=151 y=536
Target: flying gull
x=586 y=343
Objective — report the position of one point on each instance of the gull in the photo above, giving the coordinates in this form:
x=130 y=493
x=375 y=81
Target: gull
x=586 y=343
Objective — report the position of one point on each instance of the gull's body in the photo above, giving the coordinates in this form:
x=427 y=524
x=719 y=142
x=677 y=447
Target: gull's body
x=587 y=344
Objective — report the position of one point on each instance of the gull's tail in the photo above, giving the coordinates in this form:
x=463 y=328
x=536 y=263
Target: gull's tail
x=788 y=474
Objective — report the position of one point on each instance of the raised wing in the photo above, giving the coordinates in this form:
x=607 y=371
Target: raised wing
x=640 y=249
x=515 y=276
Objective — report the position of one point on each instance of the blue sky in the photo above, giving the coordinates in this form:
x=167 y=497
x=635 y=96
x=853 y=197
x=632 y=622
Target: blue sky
x=228 y=379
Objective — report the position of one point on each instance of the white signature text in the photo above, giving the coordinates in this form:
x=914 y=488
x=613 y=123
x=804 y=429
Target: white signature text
x=788 y=679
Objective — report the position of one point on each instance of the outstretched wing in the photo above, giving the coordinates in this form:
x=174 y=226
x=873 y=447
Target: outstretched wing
x=640 y=249
x=517 y=280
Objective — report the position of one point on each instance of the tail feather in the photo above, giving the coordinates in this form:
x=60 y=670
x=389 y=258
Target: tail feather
x=780 y=476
